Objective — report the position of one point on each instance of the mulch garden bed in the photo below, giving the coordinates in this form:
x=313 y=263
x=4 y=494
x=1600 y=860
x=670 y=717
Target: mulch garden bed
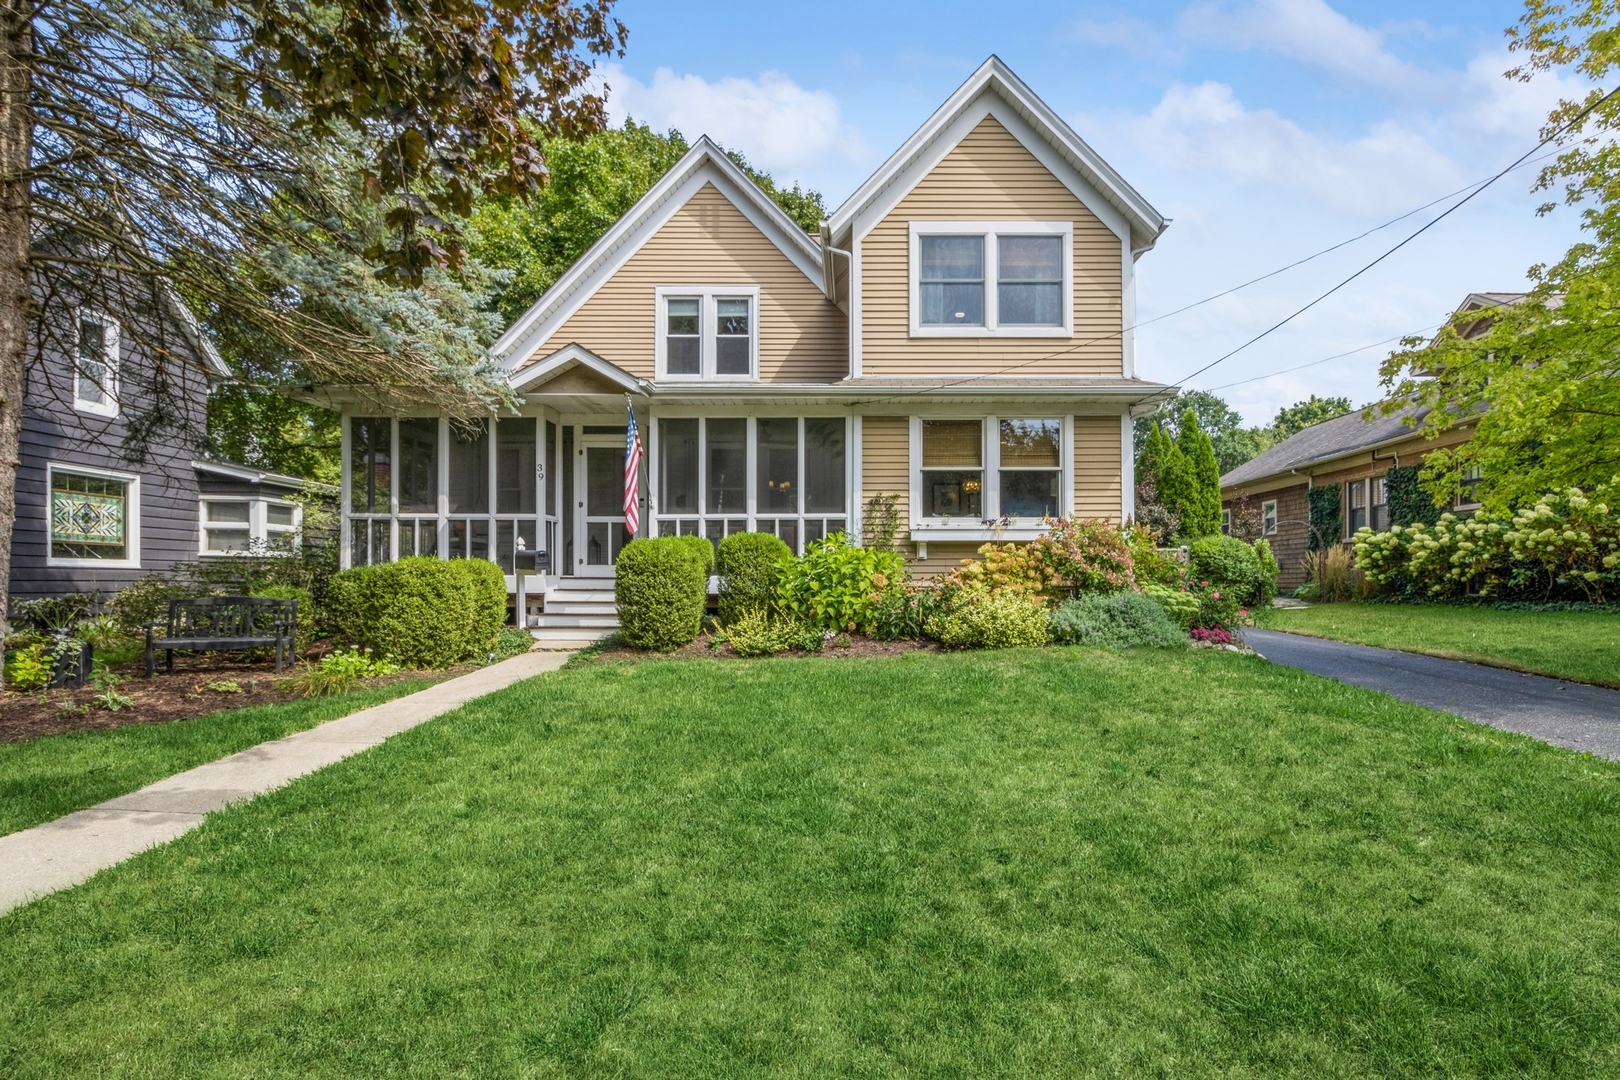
x=705 y=648
x=201 y=683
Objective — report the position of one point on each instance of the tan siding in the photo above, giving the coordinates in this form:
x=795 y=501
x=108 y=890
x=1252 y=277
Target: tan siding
x=1098 y=472
x=577 y=380
x=886 y=466
x=803 y=338
x=943 y=558
x=990 y=176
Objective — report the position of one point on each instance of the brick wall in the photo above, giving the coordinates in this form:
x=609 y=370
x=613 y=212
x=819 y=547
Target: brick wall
x=1290 y=543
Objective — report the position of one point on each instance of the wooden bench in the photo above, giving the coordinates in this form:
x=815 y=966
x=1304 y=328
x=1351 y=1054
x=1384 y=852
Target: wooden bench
x=225 y=624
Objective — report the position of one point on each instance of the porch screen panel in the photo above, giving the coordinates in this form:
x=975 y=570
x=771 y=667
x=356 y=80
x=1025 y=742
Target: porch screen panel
x=551 y=470
x=678 y=467
x=824 y=466
x=515 y=457
x=469 y=468
x=368 y=464
x=777 y=460
x=728 y=466
x=419 y=465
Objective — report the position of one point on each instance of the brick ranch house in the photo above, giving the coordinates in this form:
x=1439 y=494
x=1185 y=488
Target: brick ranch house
x=1334 y=477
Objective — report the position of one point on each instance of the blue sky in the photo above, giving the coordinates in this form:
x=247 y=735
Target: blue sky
x=1267 y=129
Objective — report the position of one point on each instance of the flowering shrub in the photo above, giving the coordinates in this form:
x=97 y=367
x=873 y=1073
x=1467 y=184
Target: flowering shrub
x=1568 y=543
x=1091 y=556
x=1014 y=568
x=837 y=586
x=1148 y=563
x=1212 y=635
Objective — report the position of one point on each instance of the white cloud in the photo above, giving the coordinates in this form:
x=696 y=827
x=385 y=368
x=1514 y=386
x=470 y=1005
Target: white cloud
x=778 y=124
x=1309 y=31
x=1205 y=130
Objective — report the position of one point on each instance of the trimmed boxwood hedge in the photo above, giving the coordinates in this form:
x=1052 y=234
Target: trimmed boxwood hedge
x=661 y=584
x=749 y=571
x=421 y=611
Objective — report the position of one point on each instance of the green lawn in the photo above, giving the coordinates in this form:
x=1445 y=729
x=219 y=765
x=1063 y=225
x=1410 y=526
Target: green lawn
x=1579 y=645
x=47 y=777
x=1031 y=863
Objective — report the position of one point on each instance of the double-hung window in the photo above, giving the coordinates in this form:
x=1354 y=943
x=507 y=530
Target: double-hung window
x=95 y=365
x=1468 y=488
x=963 y=477
x=708 y=332
x=991 y=279
x=242 y=526
x=1356 y=508
x=1378 y=515
x=1268 y=517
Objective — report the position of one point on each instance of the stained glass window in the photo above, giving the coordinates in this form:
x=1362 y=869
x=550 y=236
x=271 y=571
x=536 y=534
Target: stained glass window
x=89 y=517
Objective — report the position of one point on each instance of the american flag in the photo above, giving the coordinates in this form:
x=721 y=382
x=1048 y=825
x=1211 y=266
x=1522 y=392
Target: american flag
x=632 y=476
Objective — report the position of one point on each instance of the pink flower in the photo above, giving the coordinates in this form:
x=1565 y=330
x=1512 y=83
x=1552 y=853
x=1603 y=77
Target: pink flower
x=1215 y=595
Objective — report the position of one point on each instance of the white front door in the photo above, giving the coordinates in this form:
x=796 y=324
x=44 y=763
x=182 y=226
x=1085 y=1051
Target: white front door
x=599 y=533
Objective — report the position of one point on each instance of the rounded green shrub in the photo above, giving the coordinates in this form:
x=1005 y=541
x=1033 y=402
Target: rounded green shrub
x=755 y=633
x=421 y=611
x=1225 y=562
x=1266 y=587
x=1181 y=605
x=749 y=571
x=1119 y=620
x=702 y=549
x=972 y=619
x=661 y=586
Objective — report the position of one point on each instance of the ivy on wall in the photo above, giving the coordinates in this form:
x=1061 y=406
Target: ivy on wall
x=1408 y=502
x=1326 y=516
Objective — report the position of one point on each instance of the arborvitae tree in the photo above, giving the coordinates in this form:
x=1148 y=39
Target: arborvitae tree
x=1200 y=512
x=1164 y=463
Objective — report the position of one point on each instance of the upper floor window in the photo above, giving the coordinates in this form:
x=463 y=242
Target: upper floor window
x=708 y=332
x=95 y=366
x=991 y=279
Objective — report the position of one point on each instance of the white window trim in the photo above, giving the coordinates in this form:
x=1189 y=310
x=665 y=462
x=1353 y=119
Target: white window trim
x=1458 y=502
x=708 y=295
x=257 y=526
x=1268 y=517
x=974 y=528
x=990 y=230
x=132 y=518
x=1226 y=522
x=111 y=345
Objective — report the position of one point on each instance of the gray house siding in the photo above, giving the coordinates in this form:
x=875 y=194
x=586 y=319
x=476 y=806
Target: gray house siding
x=53 y=431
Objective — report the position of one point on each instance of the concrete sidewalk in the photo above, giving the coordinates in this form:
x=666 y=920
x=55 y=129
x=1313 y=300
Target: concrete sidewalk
x=71 y=849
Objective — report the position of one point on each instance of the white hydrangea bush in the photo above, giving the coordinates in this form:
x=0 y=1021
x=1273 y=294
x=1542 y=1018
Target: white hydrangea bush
x=1568 y=543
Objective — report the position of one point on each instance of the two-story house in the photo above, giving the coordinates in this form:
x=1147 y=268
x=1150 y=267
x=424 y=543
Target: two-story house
x=959 y=335
x=111 y=484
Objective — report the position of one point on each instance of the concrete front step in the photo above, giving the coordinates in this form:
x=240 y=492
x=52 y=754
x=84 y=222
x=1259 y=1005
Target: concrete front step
x=595 y=622
x=580 y=607
x=562 y=637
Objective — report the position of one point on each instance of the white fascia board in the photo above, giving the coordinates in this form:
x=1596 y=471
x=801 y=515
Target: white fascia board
x=704 y=163
x=575 y=355
x=961 y=125
x=1041 y=128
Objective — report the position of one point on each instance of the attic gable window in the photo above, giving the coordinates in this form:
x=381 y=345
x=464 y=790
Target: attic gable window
x=708 y=332
x=95 y=366
x=992 y=278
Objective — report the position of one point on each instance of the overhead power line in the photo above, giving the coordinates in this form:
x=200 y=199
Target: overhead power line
x=1453 y=208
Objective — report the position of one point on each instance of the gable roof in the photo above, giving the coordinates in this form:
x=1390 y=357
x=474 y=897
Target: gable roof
x=571 y=356
x=704 y=163
x=1328 y=440
x=1046 y=130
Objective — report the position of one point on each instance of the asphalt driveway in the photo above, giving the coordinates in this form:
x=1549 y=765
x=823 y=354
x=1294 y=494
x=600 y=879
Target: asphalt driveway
x=1566 y=714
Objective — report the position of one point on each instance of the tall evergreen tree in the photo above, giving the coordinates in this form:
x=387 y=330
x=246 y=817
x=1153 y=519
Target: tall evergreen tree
x=1168 y=468
x=1200 y=511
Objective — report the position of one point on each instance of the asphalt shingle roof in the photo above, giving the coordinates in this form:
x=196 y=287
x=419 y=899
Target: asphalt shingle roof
x=1325 y=441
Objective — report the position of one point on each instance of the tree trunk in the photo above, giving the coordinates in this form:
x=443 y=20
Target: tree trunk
x=16 y=144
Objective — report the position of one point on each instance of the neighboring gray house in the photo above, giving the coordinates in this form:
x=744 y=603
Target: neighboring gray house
x=110 y=485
